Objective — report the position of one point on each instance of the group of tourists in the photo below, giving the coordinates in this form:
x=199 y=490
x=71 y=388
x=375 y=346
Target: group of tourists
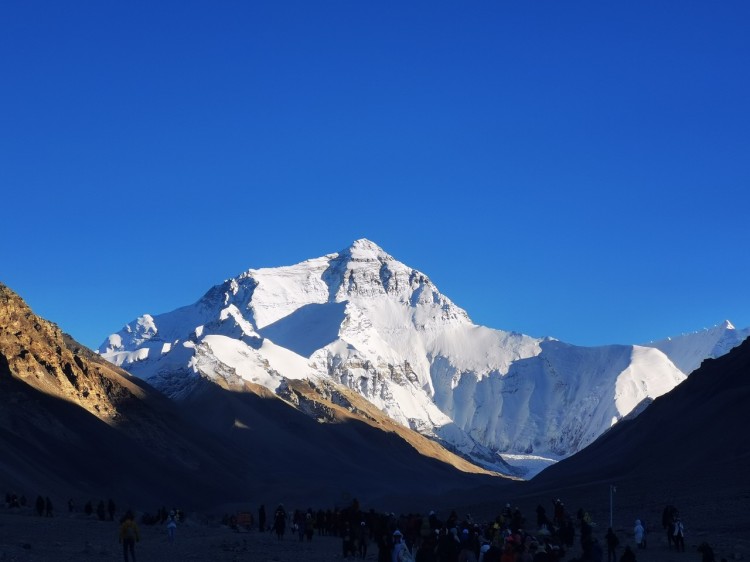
x=129 y=533
x=413 y=537
x=506 y=538
x=509 y=537
x=44 y=507
x=430 y=538
x=104 y=511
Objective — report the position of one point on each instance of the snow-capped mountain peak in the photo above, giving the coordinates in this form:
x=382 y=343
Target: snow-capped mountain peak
x=362 y=319
x=360 y=273
x=366 y=250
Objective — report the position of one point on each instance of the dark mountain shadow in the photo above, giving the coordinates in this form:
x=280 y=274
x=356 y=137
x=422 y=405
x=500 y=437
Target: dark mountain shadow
x=297 y=460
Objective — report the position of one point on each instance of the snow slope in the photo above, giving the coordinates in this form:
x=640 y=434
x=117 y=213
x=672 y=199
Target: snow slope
x=364 y=320
x=688 y=351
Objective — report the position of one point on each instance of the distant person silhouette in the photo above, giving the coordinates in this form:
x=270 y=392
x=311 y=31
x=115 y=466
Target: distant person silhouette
x=129 y=535
x=628 y=555
x=640 y=534
x=279 y=521
x=171 y=526
x=347 y=541
x=679 y=535
x=612 y=542
x=668 y=517
x=111 y=508
x=310 y=525
x=707 y=552
x=362 y=539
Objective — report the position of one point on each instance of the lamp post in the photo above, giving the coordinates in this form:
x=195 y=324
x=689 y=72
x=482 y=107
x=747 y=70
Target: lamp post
x=612 y=490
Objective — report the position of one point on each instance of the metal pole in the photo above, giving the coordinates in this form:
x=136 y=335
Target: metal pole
x=612 y=490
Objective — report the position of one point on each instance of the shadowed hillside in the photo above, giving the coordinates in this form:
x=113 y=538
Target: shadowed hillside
x=73 y=424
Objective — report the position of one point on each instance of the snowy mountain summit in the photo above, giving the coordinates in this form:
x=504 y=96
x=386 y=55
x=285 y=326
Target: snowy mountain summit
x=362 y=319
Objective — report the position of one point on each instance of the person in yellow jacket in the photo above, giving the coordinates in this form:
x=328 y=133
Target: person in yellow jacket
x=129 y=535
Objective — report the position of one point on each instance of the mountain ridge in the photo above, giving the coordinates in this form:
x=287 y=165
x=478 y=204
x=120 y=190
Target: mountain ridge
x=362 y=319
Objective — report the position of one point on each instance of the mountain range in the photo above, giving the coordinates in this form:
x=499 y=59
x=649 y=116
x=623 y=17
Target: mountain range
x=73 y=425
x=361 y=320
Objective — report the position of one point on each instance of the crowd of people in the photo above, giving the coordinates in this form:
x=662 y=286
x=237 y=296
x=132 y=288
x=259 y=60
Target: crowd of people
x=510 y=536
x=128 y=530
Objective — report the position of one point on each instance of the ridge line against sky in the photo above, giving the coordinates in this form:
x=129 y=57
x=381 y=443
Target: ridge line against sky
x=573 y=171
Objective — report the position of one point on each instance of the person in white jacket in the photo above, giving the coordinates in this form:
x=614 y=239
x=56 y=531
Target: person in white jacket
x=398 y=546
x=640 y=534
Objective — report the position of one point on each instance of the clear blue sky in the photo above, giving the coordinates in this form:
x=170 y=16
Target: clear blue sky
x=573 y=169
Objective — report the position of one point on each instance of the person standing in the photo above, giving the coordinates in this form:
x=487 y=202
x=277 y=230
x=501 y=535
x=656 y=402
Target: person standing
x=398 y=546
x=348 y=538
x=111 y=509
x=612 y=542
x=279 y=521
x=129 y=536
x=171 y=526
x=640 y=534
x=679 y=535
x=309 y=524
x=707 y=552
x=628 y=555
x=668 y=517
